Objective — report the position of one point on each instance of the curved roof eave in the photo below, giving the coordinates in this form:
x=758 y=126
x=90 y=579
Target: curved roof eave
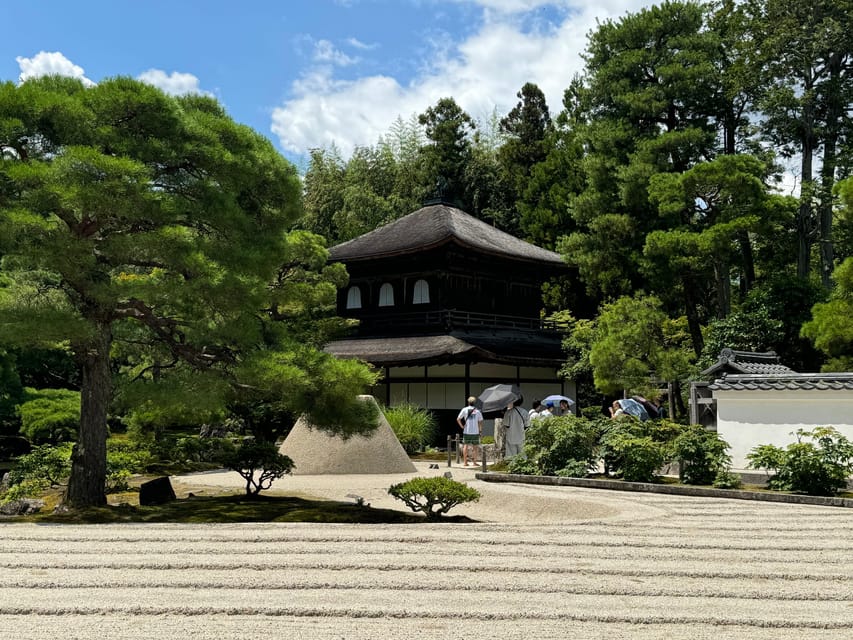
x=433 y=226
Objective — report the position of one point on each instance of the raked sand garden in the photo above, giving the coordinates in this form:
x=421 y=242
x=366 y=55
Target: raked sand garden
x=538 y=563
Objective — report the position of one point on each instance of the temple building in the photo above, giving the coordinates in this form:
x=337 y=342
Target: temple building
x=447 y=306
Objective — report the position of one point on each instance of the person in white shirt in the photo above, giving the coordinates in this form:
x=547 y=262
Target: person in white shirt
x=470 y=420
x=534 y=412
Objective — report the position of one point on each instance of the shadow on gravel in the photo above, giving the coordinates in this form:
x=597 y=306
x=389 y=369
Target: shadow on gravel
x=237 y=508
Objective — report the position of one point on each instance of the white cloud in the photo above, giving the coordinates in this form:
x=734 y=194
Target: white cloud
x=325 y=51
x=46 y=63
x=175 y=83
x=481 y=73
x=358 y=44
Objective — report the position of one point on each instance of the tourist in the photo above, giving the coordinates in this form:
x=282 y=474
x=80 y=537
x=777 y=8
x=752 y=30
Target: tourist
x=564 y=408
x=616 y=410
x=548 y=411
x=516 y=420
x=470 y=420
x=534 y=412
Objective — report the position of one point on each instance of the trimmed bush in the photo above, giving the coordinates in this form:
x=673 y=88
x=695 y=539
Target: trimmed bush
x=414 y=426
x=433 y=496
x=50 y=416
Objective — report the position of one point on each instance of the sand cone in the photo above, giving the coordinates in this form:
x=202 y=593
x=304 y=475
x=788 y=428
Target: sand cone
x=315 y=452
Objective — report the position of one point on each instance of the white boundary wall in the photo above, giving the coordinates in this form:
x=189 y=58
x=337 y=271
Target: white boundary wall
x=746 y=419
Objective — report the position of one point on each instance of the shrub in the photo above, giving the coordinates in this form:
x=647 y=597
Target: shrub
x=819 y=468
x=561 y=442
x=37 y=471
x=635 y=458
x=253 y=457
x=414 y=426
x=574 y=469
x=46 y=463
x=522 y=466
x=198 y=449
x=725 y=479
x=50 y=415
x=701 y=454
x=125 y=458
x=433 y=496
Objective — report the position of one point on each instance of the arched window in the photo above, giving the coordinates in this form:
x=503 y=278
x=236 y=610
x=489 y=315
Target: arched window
x=386 y=295
x=421 y=292
x=354 y=298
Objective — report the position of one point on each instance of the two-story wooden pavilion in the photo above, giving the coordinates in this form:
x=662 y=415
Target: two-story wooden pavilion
x=449 y=305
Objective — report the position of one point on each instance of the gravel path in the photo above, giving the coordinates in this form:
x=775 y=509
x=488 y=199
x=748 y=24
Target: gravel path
x=541 y=563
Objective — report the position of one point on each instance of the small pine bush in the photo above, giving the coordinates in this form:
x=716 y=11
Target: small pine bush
x=433 y=496
x=259 y=463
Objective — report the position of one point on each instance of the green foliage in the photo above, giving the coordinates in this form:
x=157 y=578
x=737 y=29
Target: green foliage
x=414 y=426
x=831 y=327
x=433 y=496
x=726 y=479
x=523 y=466
x=153 y=235
x=629 y=346
x=573 y=469
x=124 y=459
x=259 y=463
x=818 y=463
x=448 y=128
x=50 y=415
x=198 y=449
x=635 y=458
x=11 y=392
x=45 y=465
x=560 y=443
x=701 y=454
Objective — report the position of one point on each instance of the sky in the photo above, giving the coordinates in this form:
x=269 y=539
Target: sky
x=312 y=73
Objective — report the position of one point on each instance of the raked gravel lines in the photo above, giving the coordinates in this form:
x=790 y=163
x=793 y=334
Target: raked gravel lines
x=655 y=567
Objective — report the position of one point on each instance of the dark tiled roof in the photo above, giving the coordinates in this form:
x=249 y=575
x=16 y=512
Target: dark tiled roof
x=433 y=226
x=731 y=361
x=785 y=382
x=387 y=351
x=441 y=349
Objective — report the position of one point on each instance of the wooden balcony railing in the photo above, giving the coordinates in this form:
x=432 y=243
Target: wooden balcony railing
x=449 y=319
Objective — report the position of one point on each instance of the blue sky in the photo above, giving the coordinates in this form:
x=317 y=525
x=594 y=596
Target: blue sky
x=310 y=73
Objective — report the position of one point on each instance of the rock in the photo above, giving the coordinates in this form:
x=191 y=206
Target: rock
x=156 y=491
x=22 y=507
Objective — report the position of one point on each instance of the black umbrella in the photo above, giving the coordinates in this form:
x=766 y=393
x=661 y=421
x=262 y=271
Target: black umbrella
x=497 y=397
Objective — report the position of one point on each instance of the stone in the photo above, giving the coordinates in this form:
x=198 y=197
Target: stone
x=22 y=507
x=156 y=491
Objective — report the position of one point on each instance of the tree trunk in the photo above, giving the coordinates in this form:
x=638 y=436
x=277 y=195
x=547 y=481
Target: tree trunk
x=723 y=286
x=87 y=484
x=805 y=221
x=834 y=114
x=692 y=313
x=748 y=278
